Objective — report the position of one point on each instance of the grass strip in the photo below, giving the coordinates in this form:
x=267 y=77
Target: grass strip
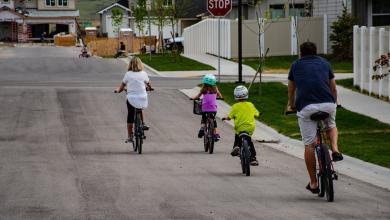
x=355 y=138
x=283 y=63
x=348 y=83
x=169 y=62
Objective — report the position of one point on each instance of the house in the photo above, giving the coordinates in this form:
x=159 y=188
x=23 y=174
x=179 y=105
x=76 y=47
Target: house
x=23 y=20
x=107 y=27
x=372 y=12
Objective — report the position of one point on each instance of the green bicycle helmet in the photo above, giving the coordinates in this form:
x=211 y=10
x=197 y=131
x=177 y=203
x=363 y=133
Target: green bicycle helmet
x=209 y=79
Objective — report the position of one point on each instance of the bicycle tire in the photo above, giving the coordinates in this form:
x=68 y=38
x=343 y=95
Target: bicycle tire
x=246 y=158
x=205 y=137
x=321 y=162
x=138 y=133
x=328 y=179
x=211 y=136
x=134 y=146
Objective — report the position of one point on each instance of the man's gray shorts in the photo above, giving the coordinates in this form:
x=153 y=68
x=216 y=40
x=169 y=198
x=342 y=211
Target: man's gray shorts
x=309 y=127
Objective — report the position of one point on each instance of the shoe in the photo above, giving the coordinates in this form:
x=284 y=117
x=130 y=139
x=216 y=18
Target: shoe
x=254 y=162
x=201 y=133
x=145 y=127
x=217 y=137
x=314 y=191
x=337 y=156
x=235 y=152
x=129 y=140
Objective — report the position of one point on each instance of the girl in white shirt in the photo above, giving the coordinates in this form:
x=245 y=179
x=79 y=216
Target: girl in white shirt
x=136 y=80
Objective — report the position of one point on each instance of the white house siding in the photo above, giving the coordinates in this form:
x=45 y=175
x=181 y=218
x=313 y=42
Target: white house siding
x=154 y=30
x=332 y=8
x=106 y=22
x=9 y=4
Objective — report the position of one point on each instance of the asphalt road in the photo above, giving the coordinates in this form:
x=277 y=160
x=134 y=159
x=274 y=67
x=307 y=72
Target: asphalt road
x=63 y=156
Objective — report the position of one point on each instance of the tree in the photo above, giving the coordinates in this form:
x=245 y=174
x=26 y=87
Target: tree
x=117 y=20
x=342 y=35
x=160 y=11
x=139 y=13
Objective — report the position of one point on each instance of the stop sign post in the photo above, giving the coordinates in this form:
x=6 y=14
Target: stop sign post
x=219 y=8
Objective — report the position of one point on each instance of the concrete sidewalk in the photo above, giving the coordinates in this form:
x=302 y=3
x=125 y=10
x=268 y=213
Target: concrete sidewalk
x=355 y=168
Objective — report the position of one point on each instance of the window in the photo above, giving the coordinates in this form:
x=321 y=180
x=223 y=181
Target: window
x=63 y=2
x=167 y=2
x=297 y=10
x=380 y=13
x=277 y=11
x=6 y=1
x=50 y=2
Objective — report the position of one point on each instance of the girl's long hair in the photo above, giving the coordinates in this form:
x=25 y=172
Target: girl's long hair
x=209 y=89
x=136 y=65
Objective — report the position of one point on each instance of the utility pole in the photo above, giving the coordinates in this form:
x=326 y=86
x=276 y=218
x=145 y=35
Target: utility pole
x=240 y=41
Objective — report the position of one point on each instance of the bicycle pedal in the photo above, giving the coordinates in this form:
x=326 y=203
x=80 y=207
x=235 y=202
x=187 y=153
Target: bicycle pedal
x=335 y=176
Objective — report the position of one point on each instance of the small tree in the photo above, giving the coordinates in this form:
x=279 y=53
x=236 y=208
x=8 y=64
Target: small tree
x=342 y=35
x=160 y=11
x=139 y=13
x=117 y=20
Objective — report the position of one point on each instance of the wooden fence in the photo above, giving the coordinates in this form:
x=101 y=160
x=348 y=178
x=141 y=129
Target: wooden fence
x=106 y=47
x=65 y=41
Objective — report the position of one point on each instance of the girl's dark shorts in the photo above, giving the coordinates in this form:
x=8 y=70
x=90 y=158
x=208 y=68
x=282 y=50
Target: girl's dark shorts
x=212 y=115
x=130 y=113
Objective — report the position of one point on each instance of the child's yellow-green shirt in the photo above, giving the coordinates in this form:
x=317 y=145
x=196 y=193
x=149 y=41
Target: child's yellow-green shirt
x=244 y=114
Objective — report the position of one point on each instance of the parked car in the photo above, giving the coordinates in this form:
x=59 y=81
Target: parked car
x=179 y=43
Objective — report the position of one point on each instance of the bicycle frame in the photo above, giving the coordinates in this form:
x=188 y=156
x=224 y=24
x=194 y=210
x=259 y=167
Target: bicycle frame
x=209 y=134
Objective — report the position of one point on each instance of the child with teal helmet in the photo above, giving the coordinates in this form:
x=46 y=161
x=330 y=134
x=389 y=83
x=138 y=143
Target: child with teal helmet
x=210 y=94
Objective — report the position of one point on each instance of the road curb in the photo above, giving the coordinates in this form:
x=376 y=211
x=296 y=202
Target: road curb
x=352 y=167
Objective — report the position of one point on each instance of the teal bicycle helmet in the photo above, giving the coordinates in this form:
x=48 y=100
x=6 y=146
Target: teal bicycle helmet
x=209 y=79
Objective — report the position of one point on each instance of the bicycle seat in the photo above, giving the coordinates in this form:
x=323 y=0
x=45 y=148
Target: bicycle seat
x=319 y=116
x=244 y=133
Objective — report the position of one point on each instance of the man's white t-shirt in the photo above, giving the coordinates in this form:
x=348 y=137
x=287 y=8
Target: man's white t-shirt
x=136 y=88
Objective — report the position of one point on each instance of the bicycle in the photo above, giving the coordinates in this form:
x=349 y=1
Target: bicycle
x=139 y=128
x=245 y=154
x=208 y=138
x=325 y=172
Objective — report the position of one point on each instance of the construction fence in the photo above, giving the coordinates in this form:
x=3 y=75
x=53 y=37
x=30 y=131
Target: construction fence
x=281 y=36
x=369 y=44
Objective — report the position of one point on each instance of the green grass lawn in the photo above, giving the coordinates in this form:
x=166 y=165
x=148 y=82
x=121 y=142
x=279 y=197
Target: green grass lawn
x=359 y=136
x=170 y=62
x=283 y=63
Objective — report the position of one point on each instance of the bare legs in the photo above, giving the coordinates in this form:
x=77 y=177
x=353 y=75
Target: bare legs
x=130 y=130
x=333 y=136
x=310 y=161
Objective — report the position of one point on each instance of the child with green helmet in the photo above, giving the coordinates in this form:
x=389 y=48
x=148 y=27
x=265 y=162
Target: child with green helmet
x=210 y=94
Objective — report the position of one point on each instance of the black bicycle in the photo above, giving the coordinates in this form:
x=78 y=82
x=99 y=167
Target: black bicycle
x=139 y=131
x=325 y=172
x=245 y=154
x=208 y=137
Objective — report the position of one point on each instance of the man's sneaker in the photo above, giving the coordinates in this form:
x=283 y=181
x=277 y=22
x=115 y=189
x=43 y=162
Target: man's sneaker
x=217 y=137
x=235 y=152
x=254 y=162
x=145 y=127
x=201 y=133
x=337 y=156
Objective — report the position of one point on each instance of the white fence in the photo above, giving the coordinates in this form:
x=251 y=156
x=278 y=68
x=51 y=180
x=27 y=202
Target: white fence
x=368 y=46
x=202 y=37
x=279 y=36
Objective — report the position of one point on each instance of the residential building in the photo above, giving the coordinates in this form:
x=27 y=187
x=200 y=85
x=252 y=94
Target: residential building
x=106 y=22
x=372 y=12
x=23 y=20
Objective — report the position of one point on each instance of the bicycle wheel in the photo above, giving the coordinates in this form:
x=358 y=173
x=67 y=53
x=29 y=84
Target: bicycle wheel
x=205 y=138
x=211 y=136
x=246 y=158
x=320 y=175
x=134 y=146
x=328 y=179
x=138 y=133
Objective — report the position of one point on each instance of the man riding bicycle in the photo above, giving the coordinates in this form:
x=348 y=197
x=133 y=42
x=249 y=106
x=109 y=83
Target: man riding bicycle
x=312 y=88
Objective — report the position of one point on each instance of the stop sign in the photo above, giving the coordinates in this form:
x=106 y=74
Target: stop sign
x=219 y=8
